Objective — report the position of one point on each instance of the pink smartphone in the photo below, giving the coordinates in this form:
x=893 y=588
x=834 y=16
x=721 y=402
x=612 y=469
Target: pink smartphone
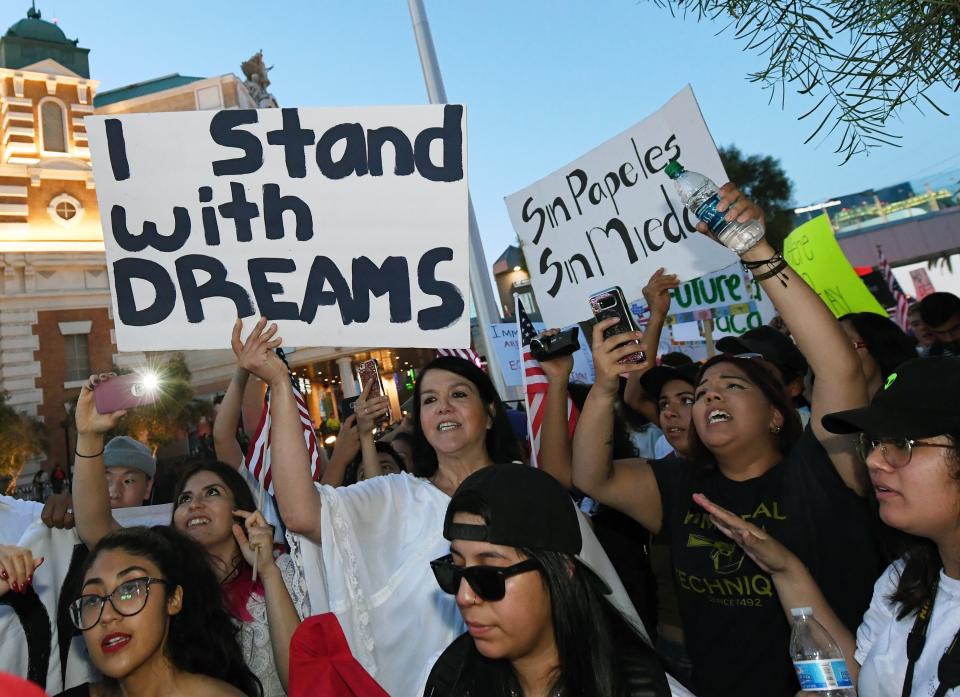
x=123 y=392
x=611 y=303
x=369 y=371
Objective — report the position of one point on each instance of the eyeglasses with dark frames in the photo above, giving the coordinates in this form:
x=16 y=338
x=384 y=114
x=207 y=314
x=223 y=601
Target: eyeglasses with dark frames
x=488 y=582
x=896 y=452
x=128 y=599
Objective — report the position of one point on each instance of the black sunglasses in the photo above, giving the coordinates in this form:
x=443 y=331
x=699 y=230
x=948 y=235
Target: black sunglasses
x=488 y=582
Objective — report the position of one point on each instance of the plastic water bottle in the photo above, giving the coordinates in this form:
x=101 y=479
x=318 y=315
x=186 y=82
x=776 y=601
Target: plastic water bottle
x=818 y=660
x=699 y=195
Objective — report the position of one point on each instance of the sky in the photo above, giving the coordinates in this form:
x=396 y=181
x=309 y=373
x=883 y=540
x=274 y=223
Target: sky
x=543 y=82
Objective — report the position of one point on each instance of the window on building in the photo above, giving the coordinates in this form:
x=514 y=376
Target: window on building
x=53 y=127
x=76 y=357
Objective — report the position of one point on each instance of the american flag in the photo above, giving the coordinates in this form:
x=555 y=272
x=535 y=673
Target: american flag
x=466 y=354
x=535 y=387
x=258 y=455
x=900 y=314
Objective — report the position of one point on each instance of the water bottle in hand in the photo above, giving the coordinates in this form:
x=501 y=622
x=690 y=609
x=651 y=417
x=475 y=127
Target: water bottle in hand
x=699 y=195
x=818 y=660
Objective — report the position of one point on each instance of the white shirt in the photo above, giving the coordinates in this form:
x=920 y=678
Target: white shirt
x=372 y=570
x=882 y=639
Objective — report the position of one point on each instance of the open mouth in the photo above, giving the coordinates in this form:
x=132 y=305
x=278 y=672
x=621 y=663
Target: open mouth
x=114 y=642
x=447 y=426
x=718 y=416
x=196 y=522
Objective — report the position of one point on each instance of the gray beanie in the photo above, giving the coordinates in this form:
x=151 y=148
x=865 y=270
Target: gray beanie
x=124 y=451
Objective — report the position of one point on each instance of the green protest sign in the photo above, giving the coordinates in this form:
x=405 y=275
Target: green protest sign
x=812 y=251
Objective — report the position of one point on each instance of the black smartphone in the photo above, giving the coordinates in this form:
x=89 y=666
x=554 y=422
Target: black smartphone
x=611 y=303
x=347 y=407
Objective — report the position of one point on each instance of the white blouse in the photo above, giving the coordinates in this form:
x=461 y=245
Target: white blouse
x=255 y=636
x=882 y=639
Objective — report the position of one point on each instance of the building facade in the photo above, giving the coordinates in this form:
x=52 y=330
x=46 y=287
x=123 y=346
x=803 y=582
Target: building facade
x=56 y=325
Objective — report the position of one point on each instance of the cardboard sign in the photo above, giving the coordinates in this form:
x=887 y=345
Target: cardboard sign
x=348 y=227
x=612 y=217
x=922 y=283
x=506 y=343
x=812 y=251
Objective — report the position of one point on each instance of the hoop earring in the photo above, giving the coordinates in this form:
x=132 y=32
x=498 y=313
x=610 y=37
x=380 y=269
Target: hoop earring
x=776 y=429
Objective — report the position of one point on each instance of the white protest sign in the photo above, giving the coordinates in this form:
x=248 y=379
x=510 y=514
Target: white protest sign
x=506 y=343
x=612 y=217
x=347 y=226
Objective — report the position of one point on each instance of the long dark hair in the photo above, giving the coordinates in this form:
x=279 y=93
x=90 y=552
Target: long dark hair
x=202 y=637
x=885 y=341
x=502 y=445
x=768 y=383
x=921 y=573
x=591 y=635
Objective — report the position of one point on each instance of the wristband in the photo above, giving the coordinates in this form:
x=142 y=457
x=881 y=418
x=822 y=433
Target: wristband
x=776 y=263
x=79 y=454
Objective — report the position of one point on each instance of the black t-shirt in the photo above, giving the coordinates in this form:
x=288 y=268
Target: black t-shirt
x=736 y=631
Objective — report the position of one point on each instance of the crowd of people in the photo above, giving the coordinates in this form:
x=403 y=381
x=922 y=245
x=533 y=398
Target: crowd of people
x=813 y=465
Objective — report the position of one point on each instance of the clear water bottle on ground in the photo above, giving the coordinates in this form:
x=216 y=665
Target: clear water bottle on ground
x=818 y=660
x=699 y=195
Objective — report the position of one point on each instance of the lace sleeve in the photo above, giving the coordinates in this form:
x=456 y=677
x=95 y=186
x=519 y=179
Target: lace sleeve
x=296 y=585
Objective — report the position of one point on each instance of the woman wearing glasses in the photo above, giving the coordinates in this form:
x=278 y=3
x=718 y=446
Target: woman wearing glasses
x=747 y=452
x=538 y=619
x=909 y=641
x=214 y=506
x=154 y=622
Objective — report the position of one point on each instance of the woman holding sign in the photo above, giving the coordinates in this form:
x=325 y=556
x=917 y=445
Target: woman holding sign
x=214 y=506
x=748 y=453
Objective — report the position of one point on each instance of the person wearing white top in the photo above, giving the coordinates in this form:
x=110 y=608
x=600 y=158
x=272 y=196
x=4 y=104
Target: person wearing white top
x=909 y=640
x=365 y=550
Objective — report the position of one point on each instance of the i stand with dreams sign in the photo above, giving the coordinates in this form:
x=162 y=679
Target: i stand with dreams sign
x=347 y=227
x=612 y=217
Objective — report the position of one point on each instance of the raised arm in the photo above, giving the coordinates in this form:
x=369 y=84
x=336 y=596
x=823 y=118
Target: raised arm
x=91 y=499
x=839 y=381
x=555 y=449
x=794 y=583
x=627 y=485
x=368 y=411
x=297 y=498
x=346 y=448
x=657 y=295
x=225 y=443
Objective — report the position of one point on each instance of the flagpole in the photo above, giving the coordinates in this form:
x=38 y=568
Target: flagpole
x=481 y=289
x=523 y=375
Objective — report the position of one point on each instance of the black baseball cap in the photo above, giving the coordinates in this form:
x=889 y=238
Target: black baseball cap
x=525 y=507
x=528 y=508
x=918 y=401
x=775 y=347
x=654 y=380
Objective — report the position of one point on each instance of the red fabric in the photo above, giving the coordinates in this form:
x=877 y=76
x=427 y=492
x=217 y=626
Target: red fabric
x=321 y=663
x=238 y=591
x=12 y=686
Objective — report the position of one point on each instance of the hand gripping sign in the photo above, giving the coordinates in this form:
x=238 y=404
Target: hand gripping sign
x=345 y=226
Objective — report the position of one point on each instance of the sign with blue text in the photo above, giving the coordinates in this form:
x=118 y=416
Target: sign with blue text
x=612 y=217
x=346 y=226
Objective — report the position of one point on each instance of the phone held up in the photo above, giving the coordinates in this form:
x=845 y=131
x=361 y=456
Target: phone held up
x=611 y=303
x=369 y=371
x=125 y=392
